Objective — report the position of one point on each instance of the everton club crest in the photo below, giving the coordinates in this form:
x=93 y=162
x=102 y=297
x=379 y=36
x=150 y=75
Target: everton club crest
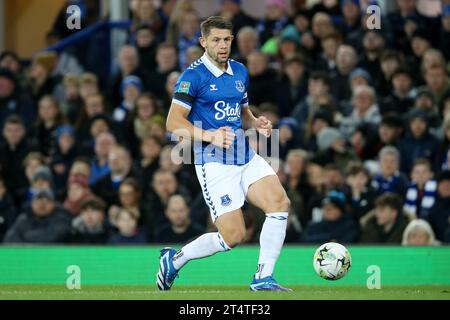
x=225 y=200
x=240 y=86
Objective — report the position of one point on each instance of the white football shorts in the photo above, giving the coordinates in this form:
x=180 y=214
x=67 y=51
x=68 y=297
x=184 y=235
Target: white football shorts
x=225 y=186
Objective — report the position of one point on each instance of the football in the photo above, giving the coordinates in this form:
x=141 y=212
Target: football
x=332 y=261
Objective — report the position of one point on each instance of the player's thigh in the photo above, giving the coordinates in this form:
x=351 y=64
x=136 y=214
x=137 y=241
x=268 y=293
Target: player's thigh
x=268 y=194
x=221 y=188
x=231 y=226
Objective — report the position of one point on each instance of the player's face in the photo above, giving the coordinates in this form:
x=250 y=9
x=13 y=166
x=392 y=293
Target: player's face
x=218 y=45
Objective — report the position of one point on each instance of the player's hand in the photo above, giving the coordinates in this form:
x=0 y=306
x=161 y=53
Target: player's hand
x=264 y=126
x=222 y=137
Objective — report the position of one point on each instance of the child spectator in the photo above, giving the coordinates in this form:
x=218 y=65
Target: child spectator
x=62 y=159
x=90 y=227
x=360 y=193
x=421 y=191
x=389 y=179
x=128 y=231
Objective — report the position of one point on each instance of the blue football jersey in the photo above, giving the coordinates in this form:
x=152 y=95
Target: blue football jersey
x=215 y=99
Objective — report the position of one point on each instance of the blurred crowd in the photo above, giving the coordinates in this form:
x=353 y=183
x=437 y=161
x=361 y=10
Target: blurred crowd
x=363 y=118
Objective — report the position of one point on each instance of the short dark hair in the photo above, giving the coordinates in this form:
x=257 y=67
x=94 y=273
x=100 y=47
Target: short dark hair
x=94 y=203
x=391 y=200
x=423 y=162
x=217 y=22
x=321 y=75
x=14 y=119
x=354 y=168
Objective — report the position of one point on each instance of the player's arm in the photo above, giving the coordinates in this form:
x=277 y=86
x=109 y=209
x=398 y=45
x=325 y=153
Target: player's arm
x=261 y=124
x=178 y=123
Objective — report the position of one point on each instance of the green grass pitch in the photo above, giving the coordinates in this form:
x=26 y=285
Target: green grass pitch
x=54 y=292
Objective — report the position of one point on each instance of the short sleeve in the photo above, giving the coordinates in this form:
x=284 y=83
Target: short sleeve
x=186 y=89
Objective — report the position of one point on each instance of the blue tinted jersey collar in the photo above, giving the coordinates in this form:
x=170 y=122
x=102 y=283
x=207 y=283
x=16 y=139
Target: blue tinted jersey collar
x=212 y=67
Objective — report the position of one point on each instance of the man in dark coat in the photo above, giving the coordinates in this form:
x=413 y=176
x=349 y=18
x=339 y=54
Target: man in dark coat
x=439 y=216
x=48 y=222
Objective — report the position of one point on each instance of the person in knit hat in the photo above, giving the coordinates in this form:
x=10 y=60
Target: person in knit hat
x=131 y=88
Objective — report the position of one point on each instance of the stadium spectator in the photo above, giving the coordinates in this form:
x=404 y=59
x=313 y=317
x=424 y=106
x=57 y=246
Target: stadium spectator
x=389 y=178
x=418 y=142
x=365 y=110
x=173 y=27
x=292 y=86
x=141 y=121
x=167 y=62
x=8 y=212
x=71 y=103
x=318 y=87
x=14 y=101
x=129 y=198
x=88 y=85
x=443 y=158
x=10 y=60
x=47 y=223
x=364 y=141
x=419 y=233
x=232 y=11
x=146 y=44
x=190 y=32
x=336 y=225
x=322 y=118
x=148 y=162
x=247 y=40
x=289 y=135
x=370 y=60
x=439 y=216
x=359 y=193
x=275 y=19
x=421 y=192
x=45 y=128
x=437 y=81
x=444 y=38
x=401 y=97
x=128 y=232
x=390 y=61
x=261 y=78
x=128 y=60
x=12 y=154
x=144 y=14
x=131 y=88
x=386 y=223
x=40 y=75
x=351 y=24
x=180 y=228
x=390 y=130
x=171 y=81
x=332 y=148
x=120 y=164
x=90 y=226
x=424 y=102
x=100 y=162
x=64 y=155
x=327 y=58
x=77 y=192
x=94 y=105
x=164 y=12
x=346 y=61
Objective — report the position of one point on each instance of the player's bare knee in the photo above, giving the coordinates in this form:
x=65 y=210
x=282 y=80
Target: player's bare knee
x=279 y=203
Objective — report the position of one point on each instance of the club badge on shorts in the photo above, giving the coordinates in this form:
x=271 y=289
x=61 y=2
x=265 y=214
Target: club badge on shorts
x=225 y=200
x=240 y=86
